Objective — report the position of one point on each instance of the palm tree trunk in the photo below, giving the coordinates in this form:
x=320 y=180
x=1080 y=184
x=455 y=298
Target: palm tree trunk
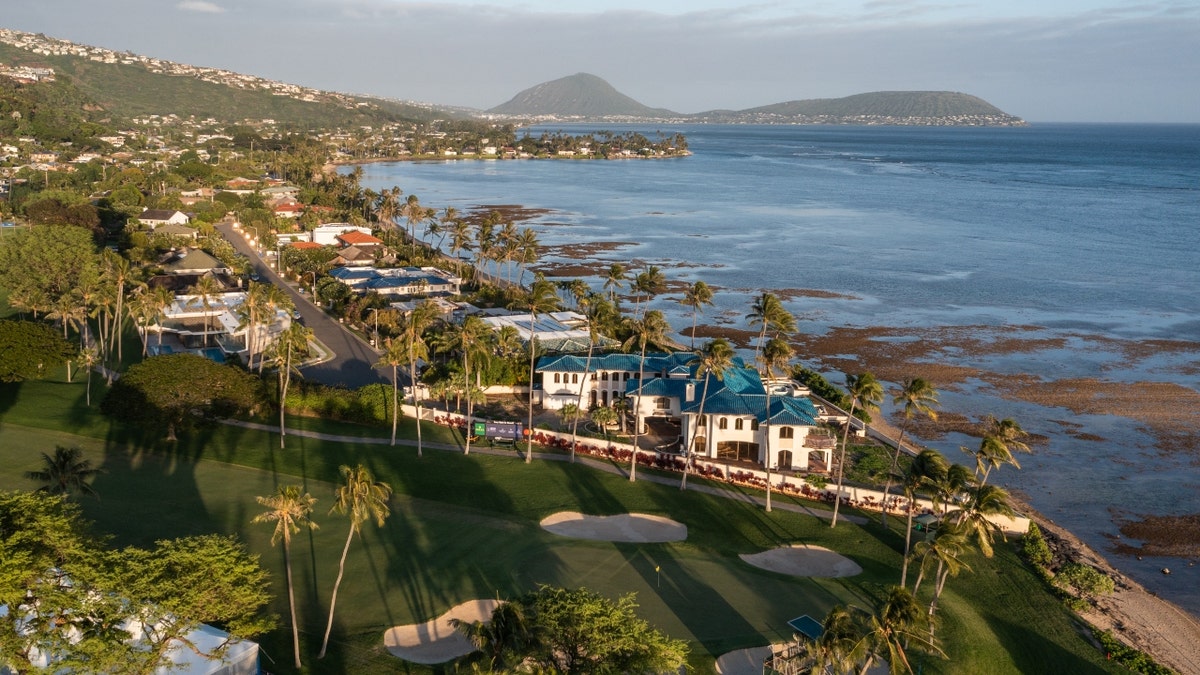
x=907 y=544
x=837 y=501
x=284 y=381
x=333 y=599
x=395 y=401
x=887 y=488
x=637 y=424
x=287 y=563
x=767 y=443
x=587 y=366
x=687 y=452
x=532 y=353
x=470 y=406
x=412 y=376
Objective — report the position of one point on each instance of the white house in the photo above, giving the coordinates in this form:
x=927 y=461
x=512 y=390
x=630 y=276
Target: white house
x=155 y=217
x=192 y=325
x=398 y=281
x=735 y=421
x=327 y=235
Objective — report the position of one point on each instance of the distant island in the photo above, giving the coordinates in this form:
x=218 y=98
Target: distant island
x=587 y=98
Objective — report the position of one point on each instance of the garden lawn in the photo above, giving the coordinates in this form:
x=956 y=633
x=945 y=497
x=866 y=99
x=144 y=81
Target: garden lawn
x=467 y=527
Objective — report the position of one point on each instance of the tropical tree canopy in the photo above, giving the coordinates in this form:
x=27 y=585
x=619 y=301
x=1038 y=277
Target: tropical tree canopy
x=30 y=349
x=174 y=390
x=578 y=631
x=176 y=585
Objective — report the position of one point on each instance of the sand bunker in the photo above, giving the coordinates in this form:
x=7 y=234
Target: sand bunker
x=804 y=561
x=436 y=641
x=743 y=661
x=626 y=527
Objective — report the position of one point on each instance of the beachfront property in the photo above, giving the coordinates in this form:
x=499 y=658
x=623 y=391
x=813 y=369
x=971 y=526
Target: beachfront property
x=190 y=323
x=735 y=419
x=560 y=332
x=398 y=282
x=327 y=235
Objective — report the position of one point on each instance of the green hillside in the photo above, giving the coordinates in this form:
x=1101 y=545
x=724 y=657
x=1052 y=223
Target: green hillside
x=126 y=91
x=887 y=104
x=579 y=95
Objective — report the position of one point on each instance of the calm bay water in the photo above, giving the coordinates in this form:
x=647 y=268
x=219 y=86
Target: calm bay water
x=1090 y=229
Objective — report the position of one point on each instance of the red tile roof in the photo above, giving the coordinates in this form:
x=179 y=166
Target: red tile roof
x=356 y=238
x=305 y=244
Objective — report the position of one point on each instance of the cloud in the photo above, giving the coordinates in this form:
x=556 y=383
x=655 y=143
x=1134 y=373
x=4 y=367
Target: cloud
x=201 y=6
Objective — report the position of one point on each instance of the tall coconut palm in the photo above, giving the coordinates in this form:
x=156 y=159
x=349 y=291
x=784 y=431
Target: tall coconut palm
x=65 y=472
x=118 y=271
x=412 y=333
x=395 y=354
x=290 y=345
x=696 y=296
x=163 y=298
x=950 y=486
x=768 y=313
x=928 y=467
x=460 y=240
x=839 y=648
x=387 y=207
x=711 y=360
x=614 y=280
x=651 y=329
x=777 y=354
x=469 y=339
x=865 y=393
x=1001 y=439
x=204 y=292
x=917 y=396
x=528 y=252
x=274 y=299
x=648 y=283
x=88 y=357
x=945 y=551
x=289 y=509
x=892 y=630
x=540 y=299
x=976 y=519
x=413 y=213
x=360 y=498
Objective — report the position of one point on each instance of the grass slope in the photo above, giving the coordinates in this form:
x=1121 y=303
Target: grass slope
x=467 y=527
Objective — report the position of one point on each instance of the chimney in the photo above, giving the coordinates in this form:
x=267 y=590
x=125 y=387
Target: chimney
x=690 y=392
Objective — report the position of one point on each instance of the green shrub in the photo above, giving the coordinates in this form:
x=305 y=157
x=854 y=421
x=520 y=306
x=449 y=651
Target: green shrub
x=1133 y=659
x=1085 y=580
x=1034 y=546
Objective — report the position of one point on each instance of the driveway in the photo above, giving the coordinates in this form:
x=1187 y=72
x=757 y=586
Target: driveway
x=353 y=363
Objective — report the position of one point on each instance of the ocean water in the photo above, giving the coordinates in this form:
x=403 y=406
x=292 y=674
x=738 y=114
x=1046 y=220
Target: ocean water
x=1080 y=229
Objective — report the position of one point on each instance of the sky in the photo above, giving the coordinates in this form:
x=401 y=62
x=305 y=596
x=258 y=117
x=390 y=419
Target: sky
x=1043 y=60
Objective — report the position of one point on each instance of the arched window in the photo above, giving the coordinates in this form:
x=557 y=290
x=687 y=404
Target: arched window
x=704 y=420
x=787 y=432
x=737 y=424
x=604 y=376
x=723 y=423
x=556 y=378
x=626 y=378
x=754 y=424
x=575 y=378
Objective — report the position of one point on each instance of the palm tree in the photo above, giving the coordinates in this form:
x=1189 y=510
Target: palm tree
x=88 y=358
x=768 y=313
x=501 y=640
x=292 y=342
x=289 y=510
x=649 y=283
x=163 y=298
x=541 y=298
x=917 y=396
x=414 y=213
x=839 y=648
x=1001 y=439
x=412 y=334
x=651 y=329
x=204 y=292
x=274 y=299
x=984 y=502
x=945 y=550
x=948 y=488
x=776 y=354
x=394 y=355
x=696 y=296
x=117 y=270
x=714 y=358
x=528 y=251
x=469 y=339
x=892 y=630
x=361 y=498
x=925 y=468
x=594 y=307
x=387 y=207
x=602 y=417
x=615 y=279
x=65 y=473
x=460 y=240
x=865 y=391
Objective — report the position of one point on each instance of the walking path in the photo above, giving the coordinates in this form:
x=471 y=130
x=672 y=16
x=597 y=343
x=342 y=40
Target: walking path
x=598 y=464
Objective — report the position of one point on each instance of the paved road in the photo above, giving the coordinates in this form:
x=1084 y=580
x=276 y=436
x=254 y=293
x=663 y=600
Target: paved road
x=353 y=363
